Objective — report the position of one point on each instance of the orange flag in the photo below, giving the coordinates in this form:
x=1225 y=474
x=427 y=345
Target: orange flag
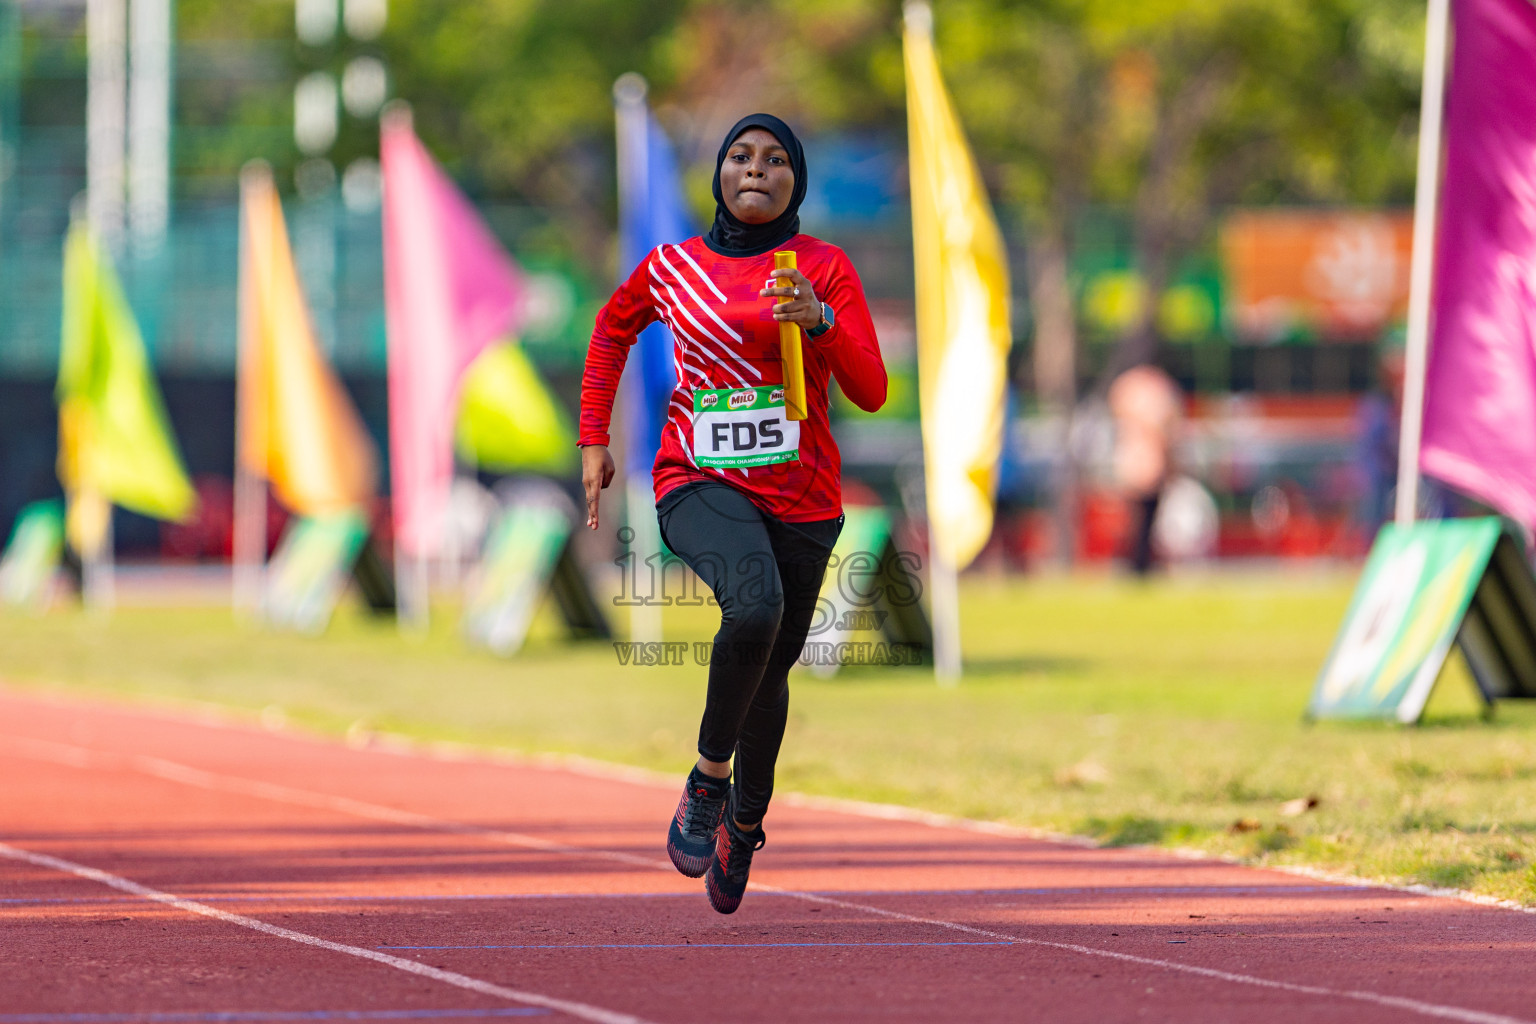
x=297 y=427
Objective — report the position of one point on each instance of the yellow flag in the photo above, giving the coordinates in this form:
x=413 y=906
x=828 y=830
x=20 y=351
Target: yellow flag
x=115 y=446
x=297 y=427
x=963 y=332
x=508 y=418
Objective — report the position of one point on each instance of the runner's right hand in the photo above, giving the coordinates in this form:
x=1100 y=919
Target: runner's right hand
x=596 y=473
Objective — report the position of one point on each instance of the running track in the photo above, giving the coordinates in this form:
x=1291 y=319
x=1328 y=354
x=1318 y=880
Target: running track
x=166 y=870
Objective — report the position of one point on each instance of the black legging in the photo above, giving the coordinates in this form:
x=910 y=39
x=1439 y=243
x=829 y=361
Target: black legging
x=766 y=575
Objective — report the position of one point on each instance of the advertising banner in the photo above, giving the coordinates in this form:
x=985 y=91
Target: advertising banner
x=1339 y=275
x=310 y=569
x=1460 y=581
x=32 y=555
x=870 y=587
x=513 y=576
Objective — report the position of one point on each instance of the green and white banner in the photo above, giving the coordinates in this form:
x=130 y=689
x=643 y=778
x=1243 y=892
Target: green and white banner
x=310 y=569
x=31 y=558
x=513 y=576
x=1423 y=589
x=870 y=588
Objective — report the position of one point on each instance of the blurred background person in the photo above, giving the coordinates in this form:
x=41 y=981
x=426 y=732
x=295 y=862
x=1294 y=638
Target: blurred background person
x=1376 y=423
x=1146 y=406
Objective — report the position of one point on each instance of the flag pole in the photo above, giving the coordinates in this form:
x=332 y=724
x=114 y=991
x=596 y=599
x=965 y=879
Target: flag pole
x=106 y=113
x=412 y=569
x=629 y=90
x=105 y=144
x=943 y=573
x=1421 y=273
x=97 y=580
x=250 y=512
x=944 y=587
x=412 y=579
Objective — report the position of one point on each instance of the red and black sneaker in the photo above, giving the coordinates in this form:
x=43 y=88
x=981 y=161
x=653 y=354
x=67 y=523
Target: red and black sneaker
x=691 y=836
x=728 y=869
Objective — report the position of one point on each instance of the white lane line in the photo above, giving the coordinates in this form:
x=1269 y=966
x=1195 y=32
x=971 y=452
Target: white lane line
x=172 y=771
x=1395 y=1002
x=582 y=1011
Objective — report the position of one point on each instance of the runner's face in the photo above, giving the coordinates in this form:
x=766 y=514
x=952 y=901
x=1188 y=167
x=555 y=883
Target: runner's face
x=756 y=179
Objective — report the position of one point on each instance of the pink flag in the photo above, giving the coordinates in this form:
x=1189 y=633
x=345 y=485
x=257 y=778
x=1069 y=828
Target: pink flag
x=449 y=290
x=1480 y=392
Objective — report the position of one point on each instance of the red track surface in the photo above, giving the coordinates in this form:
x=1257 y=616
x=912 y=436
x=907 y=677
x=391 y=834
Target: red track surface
x=158 y=869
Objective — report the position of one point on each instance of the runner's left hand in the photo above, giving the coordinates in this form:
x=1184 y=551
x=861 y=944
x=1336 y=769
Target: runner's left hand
x=803 y=309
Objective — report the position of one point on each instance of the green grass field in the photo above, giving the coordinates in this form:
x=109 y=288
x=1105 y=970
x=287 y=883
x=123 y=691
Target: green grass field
x=1165 y=713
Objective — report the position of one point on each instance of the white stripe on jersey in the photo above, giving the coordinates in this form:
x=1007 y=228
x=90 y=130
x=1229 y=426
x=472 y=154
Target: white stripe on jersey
x=679 y=362
x=669 y=311
x=725 y=345
x=697 y=336
x=701 y=332
x=683 y=337
x=702 y=377
x=661 y=255
x=681 y=436
x=700 y=271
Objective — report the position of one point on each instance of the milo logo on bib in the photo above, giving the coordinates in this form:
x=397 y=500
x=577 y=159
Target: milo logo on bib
x=740 y=427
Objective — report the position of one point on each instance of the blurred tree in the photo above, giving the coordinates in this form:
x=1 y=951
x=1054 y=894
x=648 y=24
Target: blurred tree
x=1173 y=109
x=235 y=67
x=1167 y=108
x=516 y=95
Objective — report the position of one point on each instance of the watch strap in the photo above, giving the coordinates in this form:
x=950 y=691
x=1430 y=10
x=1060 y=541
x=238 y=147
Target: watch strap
x=823 y=327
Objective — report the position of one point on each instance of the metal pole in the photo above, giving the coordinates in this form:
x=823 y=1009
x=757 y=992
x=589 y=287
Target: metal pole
x=413 y=587
x=97 y=577
x=149 y=124
x=250 y=526
x=633 y=126
x=943 y=574
x=105 y=117
x=944 y=599
x=1421 y=274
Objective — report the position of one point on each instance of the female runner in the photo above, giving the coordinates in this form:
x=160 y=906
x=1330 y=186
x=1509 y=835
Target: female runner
x=748 y=499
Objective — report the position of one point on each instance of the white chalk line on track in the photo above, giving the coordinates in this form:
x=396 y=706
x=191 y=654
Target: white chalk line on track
x=583 y=1011
x=81 y=757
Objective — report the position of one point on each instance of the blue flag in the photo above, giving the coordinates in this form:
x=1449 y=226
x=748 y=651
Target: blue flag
x=651 y=214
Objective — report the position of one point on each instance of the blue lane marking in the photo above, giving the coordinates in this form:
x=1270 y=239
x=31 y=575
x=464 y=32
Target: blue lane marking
x=704 y=945
x=1127 y=890
x=259 y=1015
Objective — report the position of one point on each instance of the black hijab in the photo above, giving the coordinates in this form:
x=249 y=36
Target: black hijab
x=731 y=237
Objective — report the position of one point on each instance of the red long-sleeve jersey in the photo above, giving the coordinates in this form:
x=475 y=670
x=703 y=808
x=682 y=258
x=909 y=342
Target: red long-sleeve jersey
x=726 y=337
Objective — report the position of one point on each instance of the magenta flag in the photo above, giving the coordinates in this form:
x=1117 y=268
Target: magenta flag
x=1480 y=392
x=449 y=290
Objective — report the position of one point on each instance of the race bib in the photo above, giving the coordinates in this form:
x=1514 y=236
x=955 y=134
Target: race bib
x=738 y=427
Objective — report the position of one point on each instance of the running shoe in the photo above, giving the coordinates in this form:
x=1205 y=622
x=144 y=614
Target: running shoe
x=728 y=869
x=691 y=836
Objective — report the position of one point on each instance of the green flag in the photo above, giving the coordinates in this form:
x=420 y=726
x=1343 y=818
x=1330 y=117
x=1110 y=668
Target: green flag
x=509 y=420
x=114 y=443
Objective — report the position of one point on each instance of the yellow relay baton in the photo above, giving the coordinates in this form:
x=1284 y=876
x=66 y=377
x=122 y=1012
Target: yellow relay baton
x=789 y=351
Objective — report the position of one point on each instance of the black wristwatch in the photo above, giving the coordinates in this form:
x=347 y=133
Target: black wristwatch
x=828 y=321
